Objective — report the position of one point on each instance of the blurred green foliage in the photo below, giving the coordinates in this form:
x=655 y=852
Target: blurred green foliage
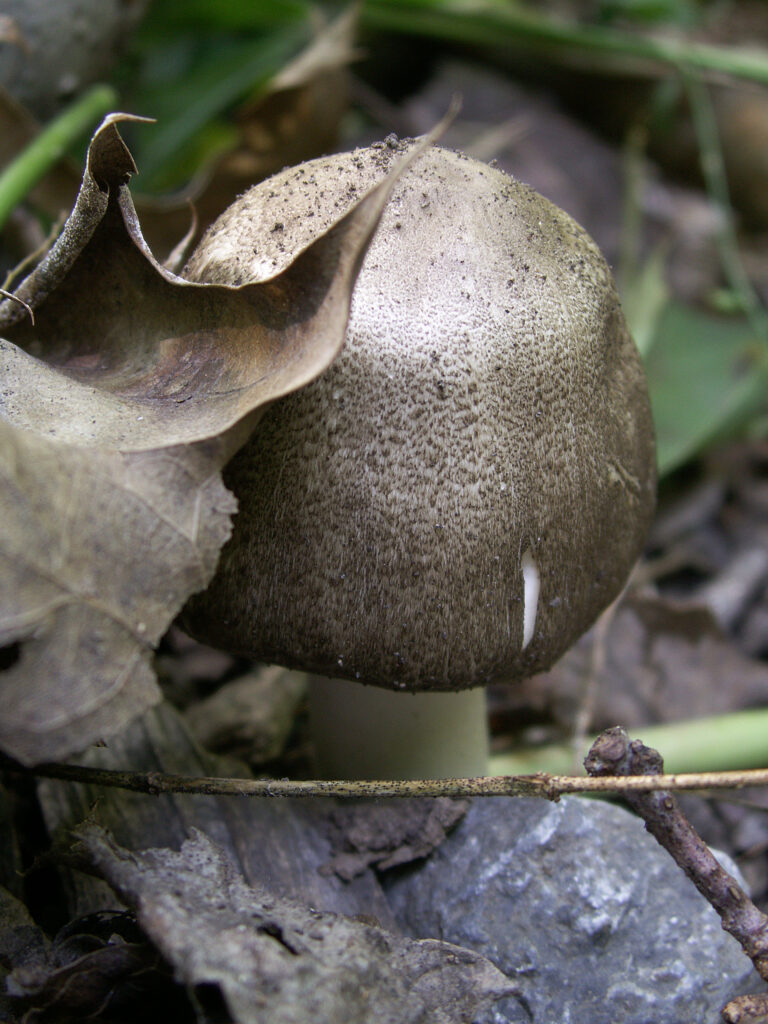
x=708 y=376
x=683 y=13
x=191 y=63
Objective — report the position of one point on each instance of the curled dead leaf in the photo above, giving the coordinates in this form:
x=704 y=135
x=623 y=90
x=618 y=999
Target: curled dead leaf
x=127 y=355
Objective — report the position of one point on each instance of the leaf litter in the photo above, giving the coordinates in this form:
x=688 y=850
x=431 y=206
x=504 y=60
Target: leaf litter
x=96 y=967
x=280 y=845
x=99 y=551
x=275 y=959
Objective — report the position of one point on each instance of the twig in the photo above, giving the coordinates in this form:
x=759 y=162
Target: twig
x=548 y=787
x=746 y=1010
x=614 y=754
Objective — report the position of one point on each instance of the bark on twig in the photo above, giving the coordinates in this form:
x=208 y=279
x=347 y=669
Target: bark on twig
x=613 y=754
x=542 y=784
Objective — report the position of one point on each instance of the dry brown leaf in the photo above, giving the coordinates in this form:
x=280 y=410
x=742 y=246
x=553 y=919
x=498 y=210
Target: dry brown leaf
x=275 y=959
x=125 y=354
x=296 y=117
x=98 y=552
x=118 y=407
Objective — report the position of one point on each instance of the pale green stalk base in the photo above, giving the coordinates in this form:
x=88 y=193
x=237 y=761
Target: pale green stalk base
x=364 y=732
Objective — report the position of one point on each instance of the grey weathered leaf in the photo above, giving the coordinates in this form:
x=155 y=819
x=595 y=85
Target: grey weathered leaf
x=278 y=844
x=279 y=961
x=98 y=552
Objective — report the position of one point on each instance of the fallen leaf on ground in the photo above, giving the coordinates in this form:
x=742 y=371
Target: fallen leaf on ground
x=98 y=553
x=275 y=959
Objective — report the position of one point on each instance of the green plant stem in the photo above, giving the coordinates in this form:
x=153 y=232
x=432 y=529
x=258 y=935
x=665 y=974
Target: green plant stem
x=491 y=23
x=720 y=743
x=23 y=173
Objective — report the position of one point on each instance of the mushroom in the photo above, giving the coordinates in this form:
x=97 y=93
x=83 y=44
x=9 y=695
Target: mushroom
x=467 y=487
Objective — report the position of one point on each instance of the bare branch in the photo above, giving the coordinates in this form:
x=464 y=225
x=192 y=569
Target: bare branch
x=548 y=787
x=614 y=754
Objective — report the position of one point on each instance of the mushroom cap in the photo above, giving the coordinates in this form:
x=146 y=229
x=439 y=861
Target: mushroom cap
x=469 y=485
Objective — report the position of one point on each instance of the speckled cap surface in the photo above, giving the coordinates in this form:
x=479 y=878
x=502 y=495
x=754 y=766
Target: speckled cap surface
x=459 y=496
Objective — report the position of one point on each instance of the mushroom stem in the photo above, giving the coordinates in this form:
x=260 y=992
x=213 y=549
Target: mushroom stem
x=365 y=732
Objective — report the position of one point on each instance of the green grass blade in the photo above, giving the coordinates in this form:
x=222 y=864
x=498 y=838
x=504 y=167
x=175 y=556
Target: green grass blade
x=494 y=23
x=231 y=72
x=23 y=173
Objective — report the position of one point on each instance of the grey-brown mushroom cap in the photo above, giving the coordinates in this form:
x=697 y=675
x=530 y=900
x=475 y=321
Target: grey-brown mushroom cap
x=489 y=404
